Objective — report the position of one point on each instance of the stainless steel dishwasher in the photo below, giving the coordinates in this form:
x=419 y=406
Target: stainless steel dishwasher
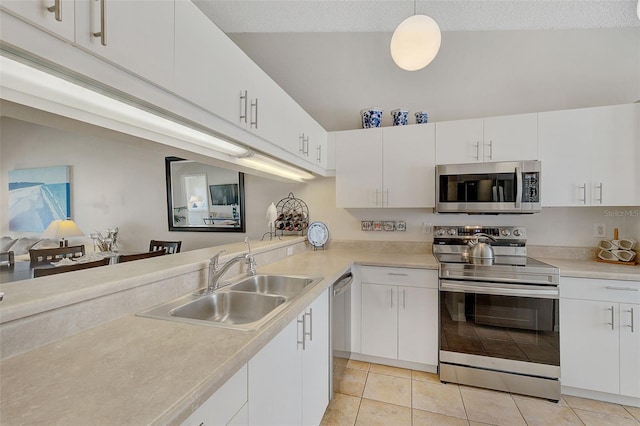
x=340 y=307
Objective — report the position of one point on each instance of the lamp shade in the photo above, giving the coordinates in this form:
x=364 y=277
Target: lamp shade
x=415 y=42
x=62 y=229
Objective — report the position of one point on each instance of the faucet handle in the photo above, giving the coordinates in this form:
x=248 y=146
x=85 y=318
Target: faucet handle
x=214 y=259
x=246 y=241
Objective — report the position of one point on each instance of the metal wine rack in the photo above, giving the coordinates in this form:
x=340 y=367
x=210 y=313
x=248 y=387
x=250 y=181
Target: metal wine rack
x=293 y=216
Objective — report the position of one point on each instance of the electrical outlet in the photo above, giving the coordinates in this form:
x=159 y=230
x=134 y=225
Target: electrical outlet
x=426 y=228
x=599 y=230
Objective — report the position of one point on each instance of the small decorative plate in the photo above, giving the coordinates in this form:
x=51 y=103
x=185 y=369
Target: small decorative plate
x=317 y=234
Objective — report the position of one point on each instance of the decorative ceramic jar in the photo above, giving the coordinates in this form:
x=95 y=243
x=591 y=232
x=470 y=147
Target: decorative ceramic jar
x=400 y=117
x=371 y=117
x=421 y=117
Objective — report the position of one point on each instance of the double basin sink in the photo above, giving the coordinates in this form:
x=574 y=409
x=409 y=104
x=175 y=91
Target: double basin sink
x=244 y=305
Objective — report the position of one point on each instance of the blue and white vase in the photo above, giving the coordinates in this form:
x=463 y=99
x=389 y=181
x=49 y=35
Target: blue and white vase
x=400 y=117
x=421 y=117
x=371 y=117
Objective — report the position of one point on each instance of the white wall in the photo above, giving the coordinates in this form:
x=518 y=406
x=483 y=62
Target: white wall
x=571 y=227
x=119 y=183
x=476 y=73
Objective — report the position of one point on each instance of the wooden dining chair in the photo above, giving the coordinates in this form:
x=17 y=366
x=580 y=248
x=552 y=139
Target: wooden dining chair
x=7 y=258
x=55 y=254
x=41 y=272
x=129 y=257
x=170 y=247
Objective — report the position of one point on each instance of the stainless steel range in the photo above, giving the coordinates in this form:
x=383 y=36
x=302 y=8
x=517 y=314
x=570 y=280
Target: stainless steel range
x=499 y=316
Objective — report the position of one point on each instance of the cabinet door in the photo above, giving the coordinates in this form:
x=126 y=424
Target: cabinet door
x=209 y=68
x=380 y=320
x=459 y=141
x=511 y=138
x=267 y=105
x=589 y=358
x=315 y=362
x=408 y=156
x=275 y=375
x=359 y=168
x=565 y=151
x=630 y=349
x=615 y=176
x=36 y=12
x=139 y=35
x=318 y=150
x=418 y=325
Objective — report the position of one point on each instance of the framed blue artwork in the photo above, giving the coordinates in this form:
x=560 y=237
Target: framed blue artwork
x=37 y=197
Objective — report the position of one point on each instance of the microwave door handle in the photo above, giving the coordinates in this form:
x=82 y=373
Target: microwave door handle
x=519 y=182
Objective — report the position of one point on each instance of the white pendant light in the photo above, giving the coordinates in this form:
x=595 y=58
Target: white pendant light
x=638 y=9
x=415 y=42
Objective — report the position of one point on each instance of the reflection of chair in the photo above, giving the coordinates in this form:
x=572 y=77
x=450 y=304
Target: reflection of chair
x=170 y=247
x=41 y=272
x=7 y=258
x=55 y=254
x=138 y=256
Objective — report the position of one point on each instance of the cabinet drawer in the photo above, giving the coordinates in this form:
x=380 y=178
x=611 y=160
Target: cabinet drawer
x=601 y=290
x=400 y=276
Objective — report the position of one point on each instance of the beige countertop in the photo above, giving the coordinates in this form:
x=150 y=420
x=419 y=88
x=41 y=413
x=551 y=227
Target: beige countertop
x=144 y=371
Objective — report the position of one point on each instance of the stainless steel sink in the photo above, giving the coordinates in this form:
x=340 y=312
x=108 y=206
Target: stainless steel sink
x=229 y=307
x=287 y=286
x=246 y=305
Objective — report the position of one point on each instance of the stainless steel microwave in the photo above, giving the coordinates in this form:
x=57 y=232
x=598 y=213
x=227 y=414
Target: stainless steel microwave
x=488 y=188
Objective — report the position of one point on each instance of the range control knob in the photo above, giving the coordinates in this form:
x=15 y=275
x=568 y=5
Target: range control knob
x=451 y=231
x=440 y=232
x=505 y=232
x=517 y=233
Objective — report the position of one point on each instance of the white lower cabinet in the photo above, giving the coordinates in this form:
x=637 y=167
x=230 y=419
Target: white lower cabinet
x=228 y=406
x=289 y=378
x=400 y=314
x=600 y=335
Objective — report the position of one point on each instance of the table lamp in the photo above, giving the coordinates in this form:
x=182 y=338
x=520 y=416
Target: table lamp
x=62 y=229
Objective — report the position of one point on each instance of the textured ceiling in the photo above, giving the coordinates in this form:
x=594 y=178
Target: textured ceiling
x=265 y=16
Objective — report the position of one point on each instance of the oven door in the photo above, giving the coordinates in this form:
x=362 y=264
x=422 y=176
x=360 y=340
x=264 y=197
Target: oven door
x=481 y=322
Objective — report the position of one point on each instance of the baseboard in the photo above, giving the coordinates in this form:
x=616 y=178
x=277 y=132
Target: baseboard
x=395 y=363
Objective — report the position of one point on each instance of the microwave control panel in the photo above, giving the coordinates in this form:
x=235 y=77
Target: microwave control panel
x=531 y=188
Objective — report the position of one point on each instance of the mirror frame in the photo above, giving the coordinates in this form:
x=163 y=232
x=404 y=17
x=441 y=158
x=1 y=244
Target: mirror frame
x=202 y=228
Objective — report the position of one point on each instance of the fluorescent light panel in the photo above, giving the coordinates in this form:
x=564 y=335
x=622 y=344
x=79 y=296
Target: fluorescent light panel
x=268 y=165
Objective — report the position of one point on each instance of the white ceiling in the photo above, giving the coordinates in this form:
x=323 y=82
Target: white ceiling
x=265 y=16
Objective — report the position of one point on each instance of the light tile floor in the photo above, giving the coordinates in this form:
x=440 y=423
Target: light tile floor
x=372 y=394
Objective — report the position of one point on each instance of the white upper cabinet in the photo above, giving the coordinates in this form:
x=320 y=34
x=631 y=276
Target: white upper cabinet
x=56 y=17
x=590 y=156
x=386 y=167
x=136 y=35
x=210 y=70
x=506 y=138
x=305 y=137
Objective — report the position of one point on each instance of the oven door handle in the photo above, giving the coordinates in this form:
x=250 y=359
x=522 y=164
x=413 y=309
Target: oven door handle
x=484 y=288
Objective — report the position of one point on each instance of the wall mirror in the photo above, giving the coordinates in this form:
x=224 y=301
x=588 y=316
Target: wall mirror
x=205 y=198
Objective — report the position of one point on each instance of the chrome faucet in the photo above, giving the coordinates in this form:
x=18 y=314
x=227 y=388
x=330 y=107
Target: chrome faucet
x=216 y=272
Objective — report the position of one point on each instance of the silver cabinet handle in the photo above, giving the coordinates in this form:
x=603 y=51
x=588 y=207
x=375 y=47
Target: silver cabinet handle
x=609 y=287
x=404 y=299
x=478 y=151
x=612 y=323
x=387 y=192
x=600 y=188
x=103 y=32
x=301 y=144
x=303 y=321
x=584 y=193
x=254 y=105
x=243 y=97
x=490 y=150
x=319 y=150
x=310 y=333
x=632 y=320
x=391 y=290
x=396 y=274
x=57 y=9
x=306 y=146
x=377 y=191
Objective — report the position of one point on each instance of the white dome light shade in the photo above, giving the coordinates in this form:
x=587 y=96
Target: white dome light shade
x=415 y=42
x=638 y=9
